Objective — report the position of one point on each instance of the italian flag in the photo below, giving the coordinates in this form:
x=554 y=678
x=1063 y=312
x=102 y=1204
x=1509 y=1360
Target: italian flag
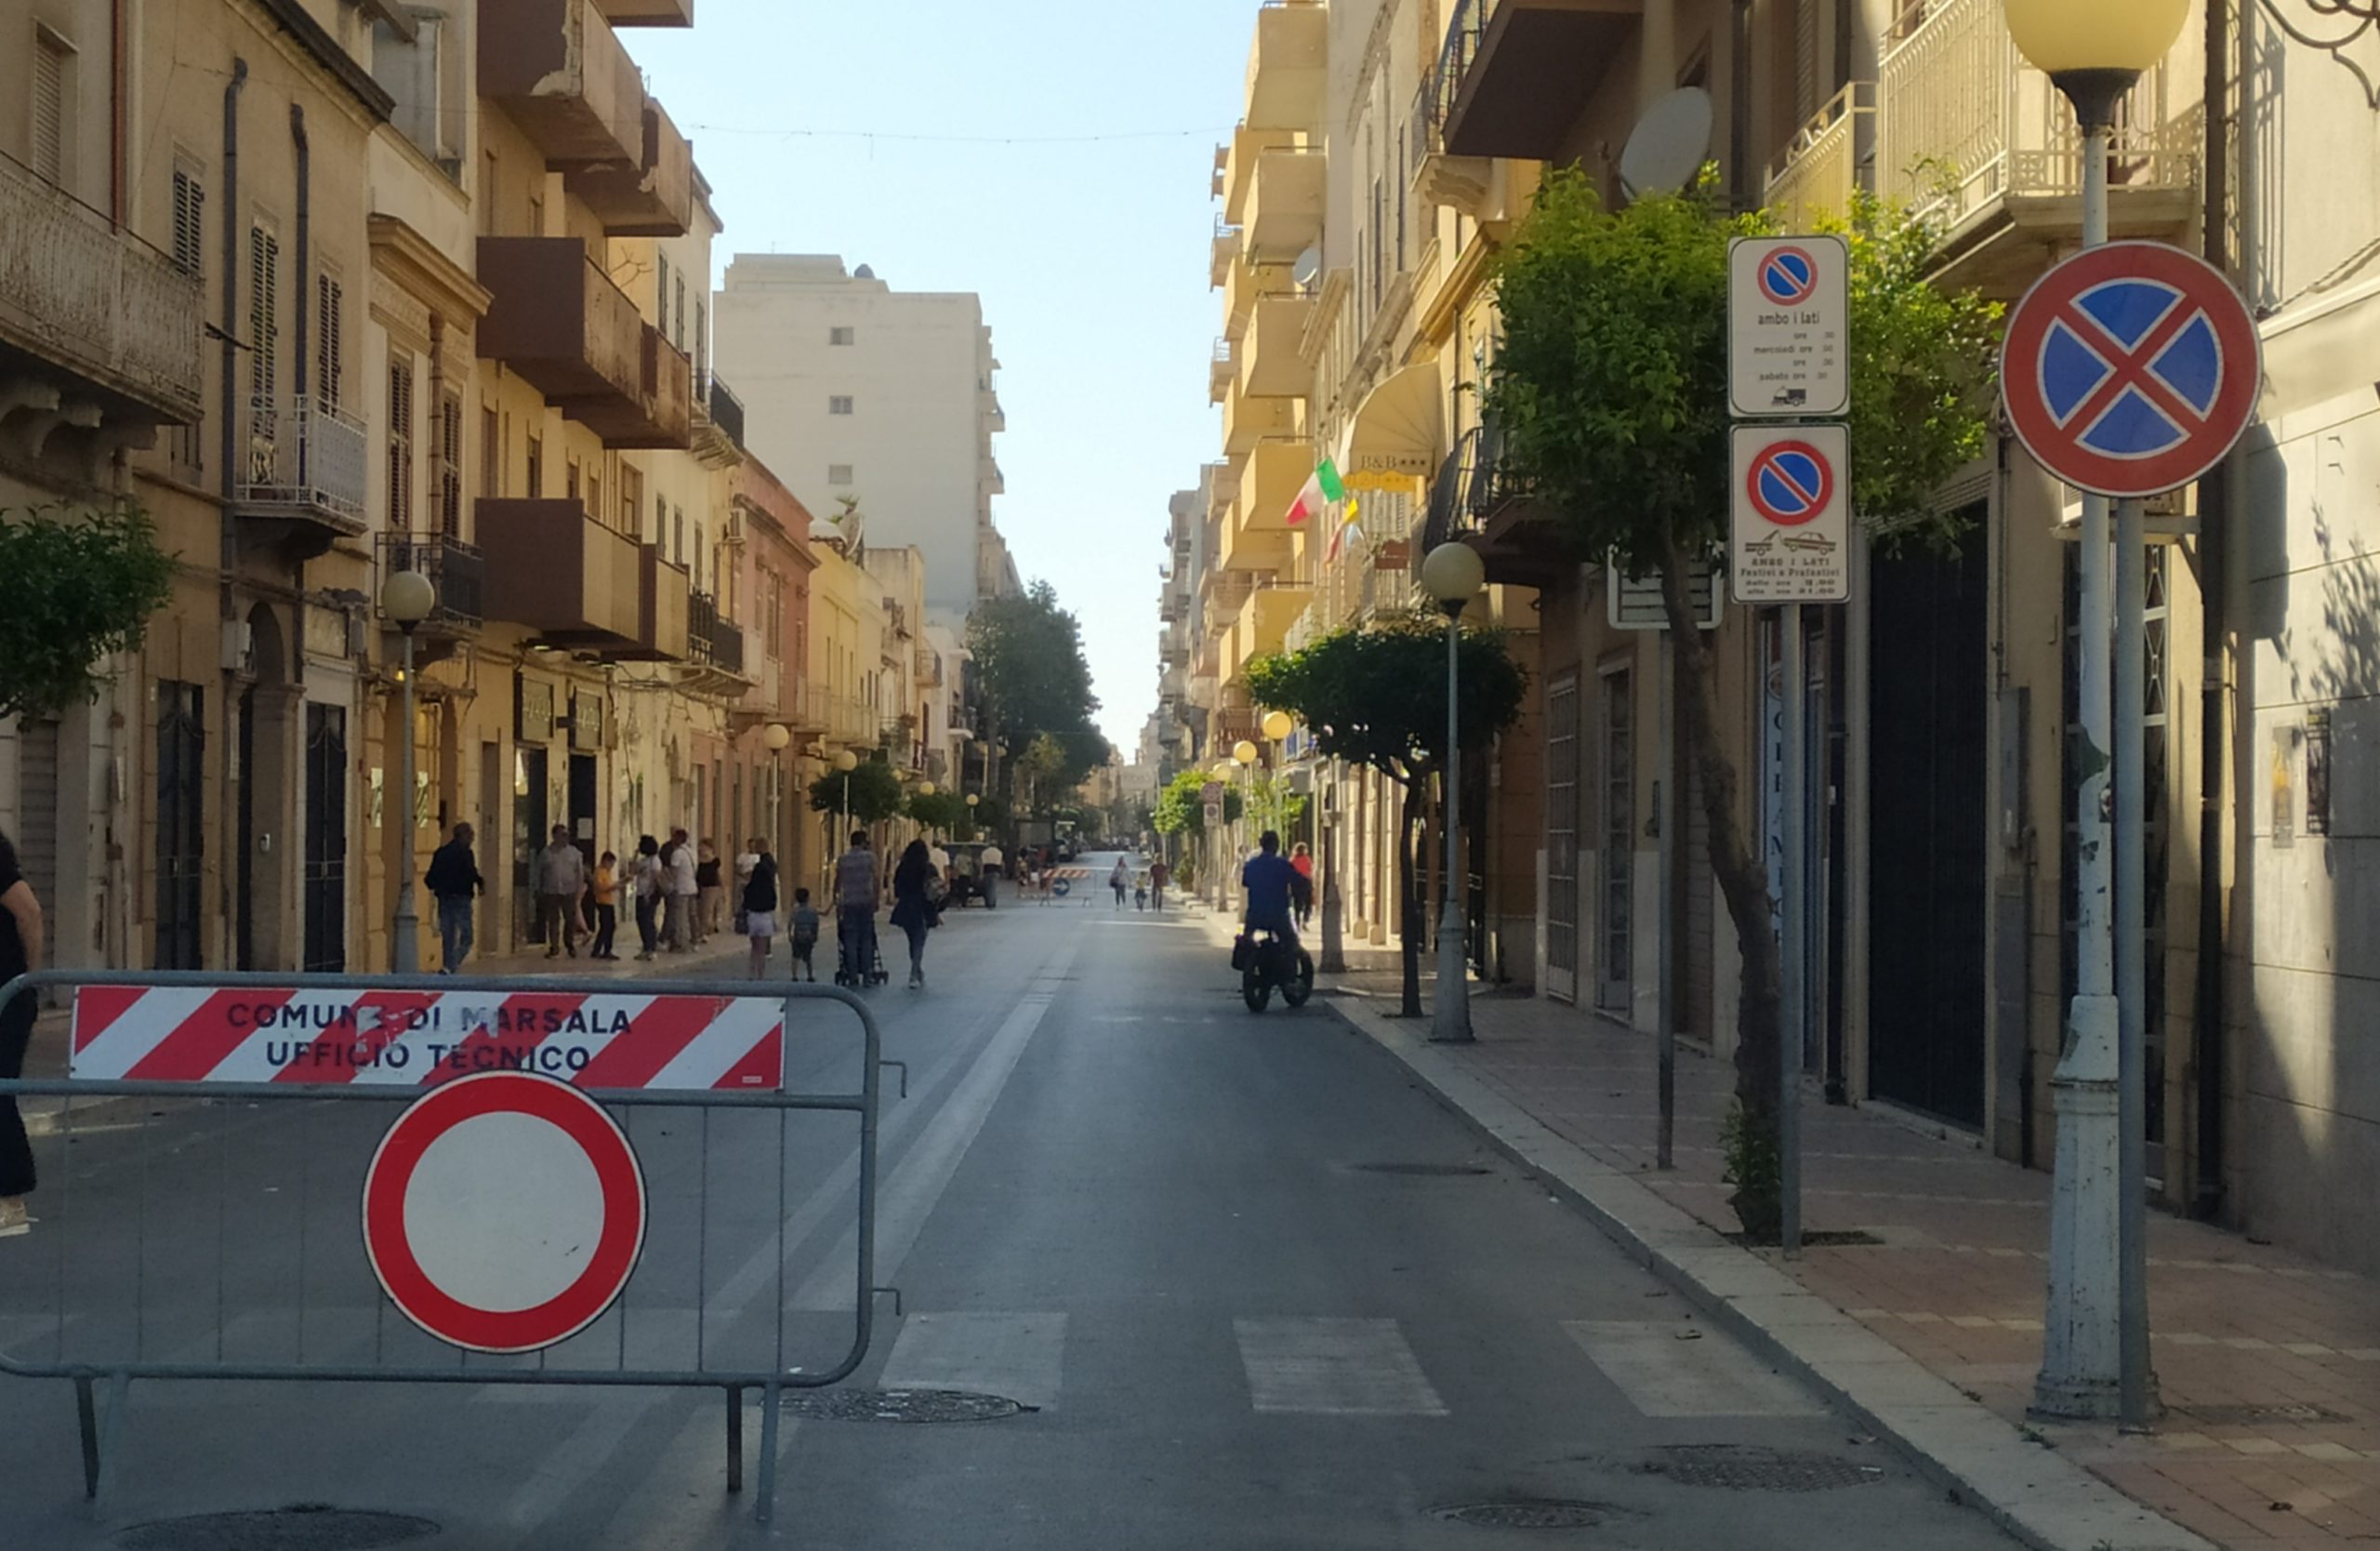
x=1321 y=487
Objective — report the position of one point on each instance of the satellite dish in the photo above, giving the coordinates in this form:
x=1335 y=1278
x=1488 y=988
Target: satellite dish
x=1667 y=147
x=1308 y=269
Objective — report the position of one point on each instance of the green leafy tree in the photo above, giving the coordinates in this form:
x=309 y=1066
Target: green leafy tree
x=1032 y=681
x=1039 y=775
x=1377 y=696
x=77 y=585
x=1272 y=804
x=944 y=812
x=870 y=792
x=1181 y=806
x=1610 y=391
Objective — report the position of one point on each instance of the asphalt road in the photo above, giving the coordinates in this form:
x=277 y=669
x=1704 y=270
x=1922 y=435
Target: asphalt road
x=1258 y=1290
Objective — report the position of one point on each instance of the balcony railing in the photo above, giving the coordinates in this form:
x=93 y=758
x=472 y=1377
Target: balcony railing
x=564 y=79
x=1286 y=195
x=1964 y=122
x=1820 y=170
x=716 y=642
x=1285 y=62
x=80 y=291
x=576 y=337
x=1225 y=251
x=1514 y=75
x=560 y=572
x=306 y=460
x=843 y=718
x=652 y=196
x=456 y=569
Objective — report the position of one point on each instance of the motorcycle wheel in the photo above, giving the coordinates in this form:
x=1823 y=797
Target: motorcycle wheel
x=1300 y=984
x=1255 y=989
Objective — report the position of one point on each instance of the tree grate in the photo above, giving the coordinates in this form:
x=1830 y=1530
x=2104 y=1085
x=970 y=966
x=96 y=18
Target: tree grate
x=898 y=1405
x=1747 y=1467
x=302 y=1527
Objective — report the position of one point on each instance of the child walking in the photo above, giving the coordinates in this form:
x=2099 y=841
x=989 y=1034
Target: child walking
x=805 y=936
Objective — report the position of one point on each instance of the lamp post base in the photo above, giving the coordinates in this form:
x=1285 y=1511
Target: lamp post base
x=1450 y=1012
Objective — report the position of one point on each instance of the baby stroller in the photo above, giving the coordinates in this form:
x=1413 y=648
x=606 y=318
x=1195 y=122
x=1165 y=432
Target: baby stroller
x=858 y=962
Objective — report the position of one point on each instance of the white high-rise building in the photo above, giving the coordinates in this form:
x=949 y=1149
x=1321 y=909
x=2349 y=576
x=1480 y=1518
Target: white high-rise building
x=854 y=392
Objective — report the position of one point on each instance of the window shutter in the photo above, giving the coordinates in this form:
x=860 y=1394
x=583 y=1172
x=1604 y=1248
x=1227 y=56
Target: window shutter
x=661 y=293
x=400 y=445
x=1805 y=60
x=190 y=223
x=450 y=467
x=681 y=311
x=264 y=312
x=329 y=354
x=50 y=108
x=702 y=348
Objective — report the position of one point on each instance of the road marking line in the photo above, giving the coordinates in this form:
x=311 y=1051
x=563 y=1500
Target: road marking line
x=1665 y=1376
x=1333 y=1367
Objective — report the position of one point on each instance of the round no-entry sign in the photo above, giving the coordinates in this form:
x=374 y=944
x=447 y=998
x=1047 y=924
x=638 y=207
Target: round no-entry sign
x=504 y=1213
x=2130 y=369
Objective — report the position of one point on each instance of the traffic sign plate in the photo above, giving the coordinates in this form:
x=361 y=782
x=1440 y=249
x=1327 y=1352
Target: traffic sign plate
x=1792 y=533
x=2130 y=369
x=504 y=1213
x=1789 y=326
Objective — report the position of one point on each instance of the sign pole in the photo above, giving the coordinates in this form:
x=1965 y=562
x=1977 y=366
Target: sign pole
x=1794 y=947
x=2137 y=1383
x=1669 y=812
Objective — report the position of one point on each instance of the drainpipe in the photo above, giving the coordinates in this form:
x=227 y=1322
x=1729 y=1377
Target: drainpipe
x=116 y=136
x=227 y=422
x=1740 y=188
x=305 y=155
x=2213 y=491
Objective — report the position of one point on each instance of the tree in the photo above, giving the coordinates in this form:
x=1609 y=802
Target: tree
x=1610 y=391
x=1181 y=808
x=870 y=793
x=1039 y=772
x=1377 y=696
x=945 y=811
x=77 y=585
x=1034 y=682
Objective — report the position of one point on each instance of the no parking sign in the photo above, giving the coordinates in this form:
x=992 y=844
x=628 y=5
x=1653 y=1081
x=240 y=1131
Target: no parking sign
x=1793 y=523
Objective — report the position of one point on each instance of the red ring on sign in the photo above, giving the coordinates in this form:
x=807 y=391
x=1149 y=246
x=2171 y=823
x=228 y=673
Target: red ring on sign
x=1765 y=461
x=1796 y=293
x=618 y=1248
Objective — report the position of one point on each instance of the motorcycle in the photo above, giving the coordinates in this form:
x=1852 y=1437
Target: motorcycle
x=1268 y=963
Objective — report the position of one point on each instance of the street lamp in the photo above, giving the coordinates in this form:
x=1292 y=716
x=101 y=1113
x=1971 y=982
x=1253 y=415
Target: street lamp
x=2095 y=1358
x=406 y=598
x=777 y=736
x=1453 y=575
x=1278 y=726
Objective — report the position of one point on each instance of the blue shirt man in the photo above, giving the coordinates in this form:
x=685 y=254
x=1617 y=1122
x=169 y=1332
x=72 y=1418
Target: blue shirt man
x=1269 y=880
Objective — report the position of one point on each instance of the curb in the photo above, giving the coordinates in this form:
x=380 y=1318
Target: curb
x=2043 y=1498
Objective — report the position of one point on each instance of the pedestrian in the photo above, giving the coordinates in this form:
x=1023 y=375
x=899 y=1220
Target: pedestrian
x=760 y=909
x=684 y=893
x=913 y=909
x=805 y=936
x=992 y=865
x=855 y=894
x=454 y=880
x=1120 y=880
x=644 y=881
x=1140 y=890
x=1159 y=875
x=562 y=877
x=711 y=891
x=745 y=860
x=1303 y=860
x=606 y=889
x=21 y=945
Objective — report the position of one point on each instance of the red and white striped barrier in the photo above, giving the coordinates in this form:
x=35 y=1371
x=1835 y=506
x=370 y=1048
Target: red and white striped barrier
x=390 y=1037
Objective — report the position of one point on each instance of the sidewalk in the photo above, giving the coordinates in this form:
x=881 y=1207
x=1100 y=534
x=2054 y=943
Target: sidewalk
x=2268 y=1364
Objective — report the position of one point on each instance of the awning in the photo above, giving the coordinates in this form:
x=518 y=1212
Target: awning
x=1398 y=432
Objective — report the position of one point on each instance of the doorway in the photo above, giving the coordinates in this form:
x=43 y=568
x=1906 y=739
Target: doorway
x=1927 y=988
x=326 y=839
x=1616 y=893
x=529 y=826
x=181 y=840
x=583 y=812
x=1562 y=838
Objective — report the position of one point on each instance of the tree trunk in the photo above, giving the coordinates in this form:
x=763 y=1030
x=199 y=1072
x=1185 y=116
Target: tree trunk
x=1743 y=882
x=1409 y=904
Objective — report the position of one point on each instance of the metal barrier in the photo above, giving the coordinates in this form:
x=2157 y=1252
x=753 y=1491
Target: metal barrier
x=300 y=1294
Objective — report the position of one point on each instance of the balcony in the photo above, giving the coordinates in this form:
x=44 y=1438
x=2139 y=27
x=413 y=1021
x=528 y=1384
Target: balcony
x=560 y=573
x=1220 y=373
x=1473 y=501
x=649 y=13
x=1272 y=359
x=1286 y=65
x=1820 y=171
x=1285 y=202
x=990 y=481
x=1235 y=170
x=1277 y=470
x=574 y=337
x=653 y=197
x=305 y=472
x=1983 y=145
x=1267 y=619
x=1224 y=253
x=1248 y=420
x=1247 y=285
x=81 y=297
x=555 y=68
x=1254 y=541
x=457 y=570
x=665 y=596
x=842 y=718
x=1518 y=74
x=716 y=644
x=1469 y=184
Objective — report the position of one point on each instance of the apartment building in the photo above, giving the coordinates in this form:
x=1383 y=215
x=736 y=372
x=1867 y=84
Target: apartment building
x=1942 y=788
x=884 y=399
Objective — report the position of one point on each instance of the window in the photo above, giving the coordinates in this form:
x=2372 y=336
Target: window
x=570 y=479
x=660 y=536
x=264 y=312
x=595 y=494
x=537 y=474
x=841 y=404
x=189 y=222
x=661 y=292
x=450 y=466
x=702 y=350
x=330 y=356
x=632 y=501
x=53 y=107
x=681 y=310
x=839 y=473
x=400 y=443
x=840 y=336
x=491 y=453
x=487 y=196
x=678 y=533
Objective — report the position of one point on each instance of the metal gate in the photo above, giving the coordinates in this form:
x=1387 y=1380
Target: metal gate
x=1616 y=846
x=327 y=838
x=1561 y=837
x=181 y=838
x=37 y=816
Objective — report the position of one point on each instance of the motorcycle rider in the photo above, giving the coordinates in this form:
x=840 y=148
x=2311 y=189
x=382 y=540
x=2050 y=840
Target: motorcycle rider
x=1270 y=882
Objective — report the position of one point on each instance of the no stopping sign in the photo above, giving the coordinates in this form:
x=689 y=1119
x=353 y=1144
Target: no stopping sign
x=504 y=1213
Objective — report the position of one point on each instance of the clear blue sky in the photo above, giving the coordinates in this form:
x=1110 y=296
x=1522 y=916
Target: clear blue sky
x=1090 y=257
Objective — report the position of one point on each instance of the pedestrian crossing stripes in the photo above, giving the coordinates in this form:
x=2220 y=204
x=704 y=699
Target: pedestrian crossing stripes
x=1333 y=1367
x=1669 y=1369
x=1019 y=1357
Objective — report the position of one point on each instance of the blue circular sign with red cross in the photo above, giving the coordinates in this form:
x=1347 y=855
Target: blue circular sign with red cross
x=1788 y=276
x=1789 y=482
x=2130 y=369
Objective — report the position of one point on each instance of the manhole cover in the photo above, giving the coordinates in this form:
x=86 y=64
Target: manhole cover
x=1528 y=1514
x=306 y=1527
x=898 y=1405
x=1420 y=1171
x=1744 y=1467
x=2247 y=1416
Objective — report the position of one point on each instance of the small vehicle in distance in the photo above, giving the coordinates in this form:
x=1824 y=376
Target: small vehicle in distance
x=1267 y=963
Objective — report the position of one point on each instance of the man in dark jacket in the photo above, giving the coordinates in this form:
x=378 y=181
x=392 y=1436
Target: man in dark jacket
x=454 y=880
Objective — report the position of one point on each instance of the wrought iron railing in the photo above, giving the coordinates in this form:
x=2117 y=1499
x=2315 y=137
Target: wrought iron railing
x=1465 y=27
x=1820 y=169
x=305 y=458
x=455 y=570
x=1469 y=487
x=712 y=639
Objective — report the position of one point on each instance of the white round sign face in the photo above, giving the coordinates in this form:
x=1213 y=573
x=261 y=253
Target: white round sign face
x=504 y=1212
